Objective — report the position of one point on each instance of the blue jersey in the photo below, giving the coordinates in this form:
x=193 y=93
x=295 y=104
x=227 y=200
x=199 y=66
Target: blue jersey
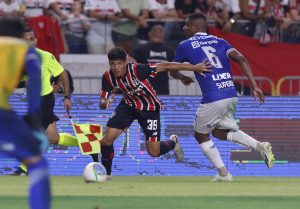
x=218 y=84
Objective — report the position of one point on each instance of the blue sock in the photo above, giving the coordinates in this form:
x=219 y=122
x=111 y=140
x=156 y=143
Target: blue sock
x=166 y=146
x=39 y=186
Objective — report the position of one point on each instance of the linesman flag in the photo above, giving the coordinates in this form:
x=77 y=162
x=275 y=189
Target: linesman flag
x=88 y=137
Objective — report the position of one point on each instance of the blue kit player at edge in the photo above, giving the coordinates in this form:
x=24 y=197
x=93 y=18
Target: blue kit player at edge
x=215 y=114
x=23 y=138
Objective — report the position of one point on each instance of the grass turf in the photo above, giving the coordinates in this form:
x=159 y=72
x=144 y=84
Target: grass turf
x=159 y=193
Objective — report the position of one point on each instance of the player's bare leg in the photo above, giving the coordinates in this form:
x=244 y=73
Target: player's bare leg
x=52 y=133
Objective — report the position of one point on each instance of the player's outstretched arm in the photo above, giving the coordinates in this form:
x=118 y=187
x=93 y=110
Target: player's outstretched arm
x=243 y=63
x=184 y=79
x=201 y=68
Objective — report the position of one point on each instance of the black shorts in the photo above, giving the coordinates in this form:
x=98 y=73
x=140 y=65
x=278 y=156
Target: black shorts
x=124 y=115
x=48 y=116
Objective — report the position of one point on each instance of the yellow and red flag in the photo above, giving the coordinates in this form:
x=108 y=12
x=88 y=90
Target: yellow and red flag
x=88 y=137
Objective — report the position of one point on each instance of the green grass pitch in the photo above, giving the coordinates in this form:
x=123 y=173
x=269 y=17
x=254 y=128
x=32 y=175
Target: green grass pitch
x=141 y=192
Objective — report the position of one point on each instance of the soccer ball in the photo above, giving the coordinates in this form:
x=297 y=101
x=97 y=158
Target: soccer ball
x=94 y=172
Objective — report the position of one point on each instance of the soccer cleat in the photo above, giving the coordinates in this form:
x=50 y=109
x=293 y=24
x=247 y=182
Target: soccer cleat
x=218 y=177
x=109 y=177
x=267 y=154
x=18 y=172
x=178 y=151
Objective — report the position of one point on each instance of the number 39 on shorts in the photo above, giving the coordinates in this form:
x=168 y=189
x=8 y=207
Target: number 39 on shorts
x=152 y=124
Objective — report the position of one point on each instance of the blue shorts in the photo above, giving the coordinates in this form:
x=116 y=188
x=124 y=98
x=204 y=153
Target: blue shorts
x=16 y=138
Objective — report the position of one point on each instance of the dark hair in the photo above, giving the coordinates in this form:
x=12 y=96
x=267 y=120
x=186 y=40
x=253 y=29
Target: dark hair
x=11 y=26
x=197 y=16
x=28 y=29
x=117 y=53
x=70 y=81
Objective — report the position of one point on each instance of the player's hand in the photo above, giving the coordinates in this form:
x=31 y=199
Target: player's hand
x=259 y=95
x=204 y=67
x=67 y=103
x=186 y=80
x=109 y=101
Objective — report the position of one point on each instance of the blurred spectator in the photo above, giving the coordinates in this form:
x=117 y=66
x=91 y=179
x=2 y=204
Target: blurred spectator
x=106 y=13
x=234 y=11
x=215 y=12
x=233 y=7
x=292 y=33
x=75 y=30
x=164 y=10
x=294 y=10
x=11 y=8
x=36 y=8
x=65 y=6
x=275 y=21
x=48 y=33
x=254 y=12
x=124 y=33
x=156 y=51
x=185 y=7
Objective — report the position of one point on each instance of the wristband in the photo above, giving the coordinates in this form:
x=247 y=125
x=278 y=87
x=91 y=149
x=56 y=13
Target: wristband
x=67 y=97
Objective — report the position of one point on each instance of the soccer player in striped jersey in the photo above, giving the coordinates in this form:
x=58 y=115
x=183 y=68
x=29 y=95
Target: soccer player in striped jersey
x=139 y=102
x=216 y=111
x=23 y=140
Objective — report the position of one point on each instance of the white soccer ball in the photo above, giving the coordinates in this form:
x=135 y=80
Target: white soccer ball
x=94 y=172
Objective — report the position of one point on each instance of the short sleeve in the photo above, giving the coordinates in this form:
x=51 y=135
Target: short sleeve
x=152 y=5
x=106 y=87
x=146 y=70
x=53 y=65
x=145 y=4
x=180 y=54
x=227 y=47
x=123 y=4
x=171 y=4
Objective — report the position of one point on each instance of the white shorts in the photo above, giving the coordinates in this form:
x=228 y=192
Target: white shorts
x=219 y=114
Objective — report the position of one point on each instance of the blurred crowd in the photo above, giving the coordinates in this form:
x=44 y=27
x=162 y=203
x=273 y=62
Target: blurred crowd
x=95 y=26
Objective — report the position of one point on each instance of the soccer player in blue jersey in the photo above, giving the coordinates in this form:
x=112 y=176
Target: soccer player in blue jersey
x=139 y=102
x=23 y=140
x=215 y=114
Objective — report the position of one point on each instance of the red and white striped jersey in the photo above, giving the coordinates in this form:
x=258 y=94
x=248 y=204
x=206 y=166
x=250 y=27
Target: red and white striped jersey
x=252 y=4
x=137 y=90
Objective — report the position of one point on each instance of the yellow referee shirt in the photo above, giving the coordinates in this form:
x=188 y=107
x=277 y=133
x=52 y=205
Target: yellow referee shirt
x=50 y=66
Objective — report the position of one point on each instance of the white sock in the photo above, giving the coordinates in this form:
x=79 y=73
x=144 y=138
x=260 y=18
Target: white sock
x=243 y=139
x=212 y=153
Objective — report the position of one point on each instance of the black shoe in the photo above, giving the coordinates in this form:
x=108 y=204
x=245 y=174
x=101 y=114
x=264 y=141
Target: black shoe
x=19 y=172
